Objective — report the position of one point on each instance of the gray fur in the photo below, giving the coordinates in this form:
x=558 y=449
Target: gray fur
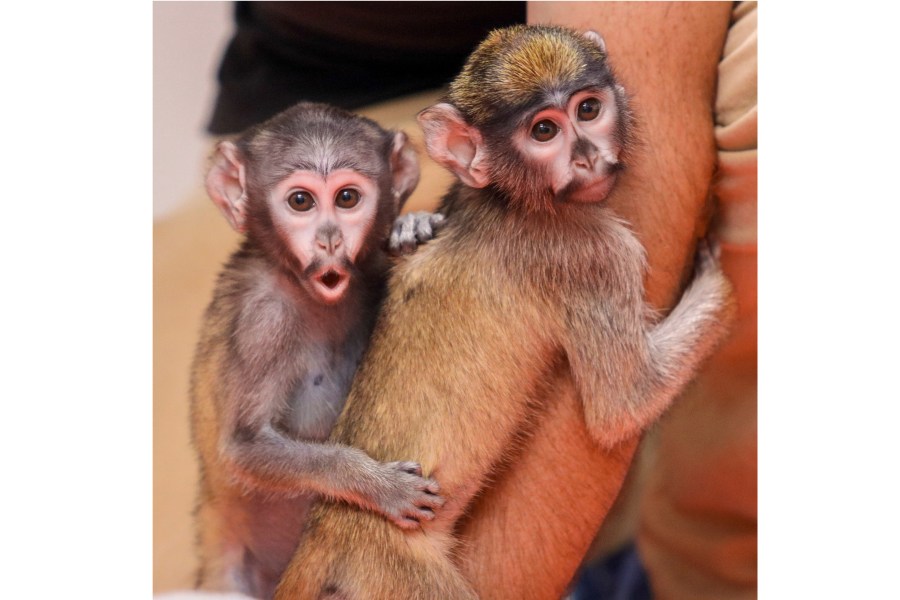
x=274 y=365
x=413 y=229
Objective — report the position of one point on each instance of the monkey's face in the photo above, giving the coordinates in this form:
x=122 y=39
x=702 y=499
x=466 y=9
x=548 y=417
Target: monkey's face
x=324 y=220
x=573 y=144
x=536 y=114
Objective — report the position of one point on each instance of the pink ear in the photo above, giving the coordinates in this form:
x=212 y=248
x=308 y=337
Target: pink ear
x=455 y=144
x=404 y=168
x=226 y=185
x=596 y=39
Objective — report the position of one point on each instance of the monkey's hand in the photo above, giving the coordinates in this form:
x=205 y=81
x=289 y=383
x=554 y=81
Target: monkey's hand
x=413 y=229
x=712 y=286
x=403 y=496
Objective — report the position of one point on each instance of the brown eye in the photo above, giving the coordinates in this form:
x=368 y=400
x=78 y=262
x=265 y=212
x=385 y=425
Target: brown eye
x=544 y=131
x=301 y=201
x=347 y=198
x=589 y=109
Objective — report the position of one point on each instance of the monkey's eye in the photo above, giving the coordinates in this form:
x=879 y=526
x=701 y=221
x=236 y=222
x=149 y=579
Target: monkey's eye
x=347 y=198
x=588 y=109
x=544 y=131
x=301 y=201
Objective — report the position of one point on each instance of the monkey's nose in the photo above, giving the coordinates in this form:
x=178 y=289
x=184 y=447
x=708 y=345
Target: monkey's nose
x=585 y=162
x=330 y=245
x=329 y=240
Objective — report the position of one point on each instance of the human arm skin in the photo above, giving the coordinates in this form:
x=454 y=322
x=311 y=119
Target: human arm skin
x=665 y=55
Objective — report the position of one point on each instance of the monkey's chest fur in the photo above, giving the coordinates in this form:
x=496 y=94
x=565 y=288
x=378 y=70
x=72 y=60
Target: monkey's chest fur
x=321 y=387
x=323 y=347
x=293 y=354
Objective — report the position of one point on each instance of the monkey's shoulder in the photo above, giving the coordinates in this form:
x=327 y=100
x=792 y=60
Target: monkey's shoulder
x=254 y=308
x=584 y=240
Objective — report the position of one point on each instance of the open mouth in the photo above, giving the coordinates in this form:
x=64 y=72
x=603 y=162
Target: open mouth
x=331 y=284
x=330 y=279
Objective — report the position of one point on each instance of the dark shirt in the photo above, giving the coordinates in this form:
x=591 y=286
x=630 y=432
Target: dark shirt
x=349 y=54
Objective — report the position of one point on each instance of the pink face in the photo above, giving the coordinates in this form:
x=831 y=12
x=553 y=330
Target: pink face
x=324 y=221
x=576 y=145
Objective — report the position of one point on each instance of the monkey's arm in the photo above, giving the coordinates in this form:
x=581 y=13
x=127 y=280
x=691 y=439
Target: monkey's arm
x=270 y=462
x=666 y=56
x=256 y=382
x=628 y=370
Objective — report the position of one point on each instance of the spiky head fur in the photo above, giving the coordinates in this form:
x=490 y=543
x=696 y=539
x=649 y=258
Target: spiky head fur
x=320 y=138
x=516 y=67
x=514 y=73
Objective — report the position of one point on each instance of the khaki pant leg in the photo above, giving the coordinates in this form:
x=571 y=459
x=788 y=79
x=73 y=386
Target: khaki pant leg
x=698 y=511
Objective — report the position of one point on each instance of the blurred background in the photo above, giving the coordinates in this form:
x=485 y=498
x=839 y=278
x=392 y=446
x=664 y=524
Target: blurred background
x=188 y=41
x=188 y=245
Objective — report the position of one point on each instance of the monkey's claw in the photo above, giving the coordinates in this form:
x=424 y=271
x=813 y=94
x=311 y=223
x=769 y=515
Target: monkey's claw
x=708 y=253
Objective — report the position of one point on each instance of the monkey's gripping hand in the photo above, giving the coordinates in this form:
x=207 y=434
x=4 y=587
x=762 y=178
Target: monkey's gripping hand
x=413 y=229
x=399 y=492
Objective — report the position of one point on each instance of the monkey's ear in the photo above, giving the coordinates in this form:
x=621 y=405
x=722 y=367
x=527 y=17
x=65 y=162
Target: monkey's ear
x=404 y=168
x=226 y=185
x=455 y=144
x=596 y=39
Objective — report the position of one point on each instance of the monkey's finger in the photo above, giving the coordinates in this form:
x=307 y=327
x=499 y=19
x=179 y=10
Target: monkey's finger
x=431 y=487
x=430 y=501
x=428 y=225
x=402 y=234
x=413 y=468
x=437 y=220
x=424 y=231
x=422 y=514
x=404 y=522
x=401 y=241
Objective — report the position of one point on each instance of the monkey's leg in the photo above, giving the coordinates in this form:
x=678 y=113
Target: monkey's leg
x=526 y=535
x=246 y=540
x=221 y=553
x=376 y=563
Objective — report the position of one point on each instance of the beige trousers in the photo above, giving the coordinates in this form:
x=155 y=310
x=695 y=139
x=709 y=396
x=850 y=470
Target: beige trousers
x=697 y=510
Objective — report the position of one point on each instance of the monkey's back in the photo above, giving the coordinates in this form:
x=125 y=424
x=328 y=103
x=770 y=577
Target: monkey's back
x=475 y=302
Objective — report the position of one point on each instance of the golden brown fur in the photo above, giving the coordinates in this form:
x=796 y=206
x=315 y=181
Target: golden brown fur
x=522 y=359
x=471 y=338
